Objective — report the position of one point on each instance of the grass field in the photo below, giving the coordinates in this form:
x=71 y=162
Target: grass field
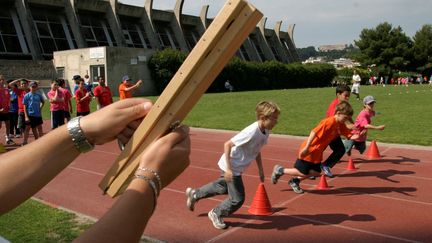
x=36 y=222
x=404 y=110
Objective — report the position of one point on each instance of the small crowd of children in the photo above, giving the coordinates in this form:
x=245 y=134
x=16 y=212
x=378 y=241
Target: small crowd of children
x=244 y=147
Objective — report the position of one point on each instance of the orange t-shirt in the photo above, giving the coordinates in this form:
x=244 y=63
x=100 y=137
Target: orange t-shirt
x=123 y=93
x=326 y=131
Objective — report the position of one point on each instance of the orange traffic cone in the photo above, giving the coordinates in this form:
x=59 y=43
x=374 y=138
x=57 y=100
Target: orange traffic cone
x=261 y=203
x=323 y=183
x=351 y=165
x=373 y=152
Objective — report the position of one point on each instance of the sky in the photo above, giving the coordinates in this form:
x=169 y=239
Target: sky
x=322 y=22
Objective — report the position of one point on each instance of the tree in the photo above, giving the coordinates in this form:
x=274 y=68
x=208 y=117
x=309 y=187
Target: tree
x=385 y=46
x=422 y=49
x=305 y=53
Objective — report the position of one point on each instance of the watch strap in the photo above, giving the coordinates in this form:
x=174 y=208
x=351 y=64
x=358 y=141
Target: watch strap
x=77 y=135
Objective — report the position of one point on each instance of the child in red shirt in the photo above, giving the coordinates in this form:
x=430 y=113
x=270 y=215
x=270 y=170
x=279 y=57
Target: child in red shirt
x=342 y=94
x=83 y=98
x=103 y=94
x=311 y=151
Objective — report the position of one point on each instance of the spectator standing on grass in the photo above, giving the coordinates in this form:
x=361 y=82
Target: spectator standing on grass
x=68 y=109
x=20 y=92
x=82 y=98
x=126 y=88
x=57 y=103
x=5 y=100
x=239 y=152
x=356 y=79
x=103 y=94
x=33 y=103
x=13 y=113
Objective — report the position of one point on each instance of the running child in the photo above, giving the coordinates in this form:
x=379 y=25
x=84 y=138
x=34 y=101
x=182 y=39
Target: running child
x=361 y=125
x=311 y=151
x=239 y=152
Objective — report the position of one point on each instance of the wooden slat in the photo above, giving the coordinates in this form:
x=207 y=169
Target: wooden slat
x=233 y=25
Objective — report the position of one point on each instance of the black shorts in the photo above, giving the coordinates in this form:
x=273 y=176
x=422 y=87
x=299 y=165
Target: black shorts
x=34 y=121
x=304 y=166
x=83 y=113
x=4 y=117
x=67 y=114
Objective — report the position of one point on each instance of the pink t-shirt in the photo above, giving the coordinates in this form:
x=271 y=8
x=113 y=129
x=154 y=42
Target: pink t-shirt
x=56 y=105
x=363 y=119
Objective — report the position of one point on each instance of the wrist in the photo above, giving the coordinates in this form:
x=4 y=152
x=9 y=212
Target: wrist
x=81 y=143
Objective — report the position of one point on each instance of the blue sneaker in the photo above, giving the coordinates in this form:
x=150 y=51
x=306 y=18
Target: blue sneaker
x=327 y=171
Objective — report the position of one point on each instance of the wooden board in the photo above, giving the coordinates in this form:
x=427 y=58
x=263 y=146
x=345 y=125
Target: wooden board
x=217 y=45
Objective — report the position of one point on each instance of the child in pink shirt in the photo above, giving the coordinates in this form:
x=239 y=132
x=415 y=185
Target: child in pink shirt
x=361 y=125
x=56 y=99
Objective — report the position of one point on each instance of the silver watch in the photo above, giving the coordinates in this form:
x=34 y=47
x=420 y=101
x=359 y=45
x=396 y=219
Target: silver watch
x=78 y=137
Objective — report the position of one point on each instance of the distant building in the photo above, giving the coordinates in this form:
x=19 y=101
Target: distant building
x=344 y=63
x=314 y=60
x=338 y=47
x=32 y=30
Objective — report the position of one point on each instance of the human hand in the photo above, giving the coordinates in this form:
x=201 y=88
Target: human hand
x=228 y=175
x=381 y=127
x=303 y=152
x=354 y=137
x=168 y=156
x=120 y=120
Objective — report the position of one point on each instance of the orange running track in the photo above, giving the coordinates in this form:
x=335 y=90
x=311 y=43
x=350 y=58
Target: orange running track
x=383 y=200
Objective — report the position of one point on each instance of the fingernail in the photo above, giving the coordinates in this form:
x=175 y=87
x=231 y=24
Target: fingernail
x=147 y=105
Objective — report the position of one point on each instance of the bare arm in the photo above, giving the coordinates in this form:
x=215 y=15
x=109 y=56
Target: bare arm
x=260 y=167
x=138 y=83
x=22 y=175
x=370 y=126
x=227 y=151
x=305 y=150
x=126 y=220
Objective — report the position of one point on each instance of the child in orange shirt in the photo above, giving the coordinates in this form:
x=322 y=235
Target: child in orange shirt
x=311 y=151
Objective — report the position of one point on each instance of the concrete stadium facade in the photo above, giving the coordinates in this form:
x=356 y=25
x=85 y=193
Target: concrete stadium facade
x=31 y=31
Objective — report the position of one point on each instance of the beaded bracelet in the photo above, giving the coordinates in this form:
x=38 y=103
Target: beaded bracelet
x=155 y=174
x=152 y=185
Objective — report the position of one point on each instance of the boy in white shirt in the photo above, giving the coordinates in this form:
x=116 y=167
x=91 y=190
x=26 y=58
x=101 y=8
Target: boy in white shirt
x=239 y=152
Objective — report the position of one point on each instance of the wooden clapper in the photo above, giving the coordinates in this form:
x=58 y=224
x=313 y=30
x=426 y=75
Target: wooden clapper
x=207 y=59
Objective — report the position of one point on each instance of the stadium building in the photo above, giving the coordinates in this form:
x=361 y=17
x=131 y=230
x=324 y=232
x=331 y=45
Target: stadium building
x=45 y=39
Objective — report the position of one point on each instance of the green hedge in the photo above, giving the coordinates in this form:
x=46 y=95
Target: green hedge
x=245 y=76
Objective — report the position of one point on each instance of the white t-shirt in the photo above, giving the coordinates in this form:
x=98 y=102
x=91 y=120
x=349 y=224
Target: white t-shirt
x=247 y=145
x=356 y=78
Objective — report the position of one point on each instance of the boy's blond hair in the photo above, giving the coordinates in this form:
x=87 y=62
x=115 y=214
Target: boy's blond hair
x=344 y=108
x=266 y=109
